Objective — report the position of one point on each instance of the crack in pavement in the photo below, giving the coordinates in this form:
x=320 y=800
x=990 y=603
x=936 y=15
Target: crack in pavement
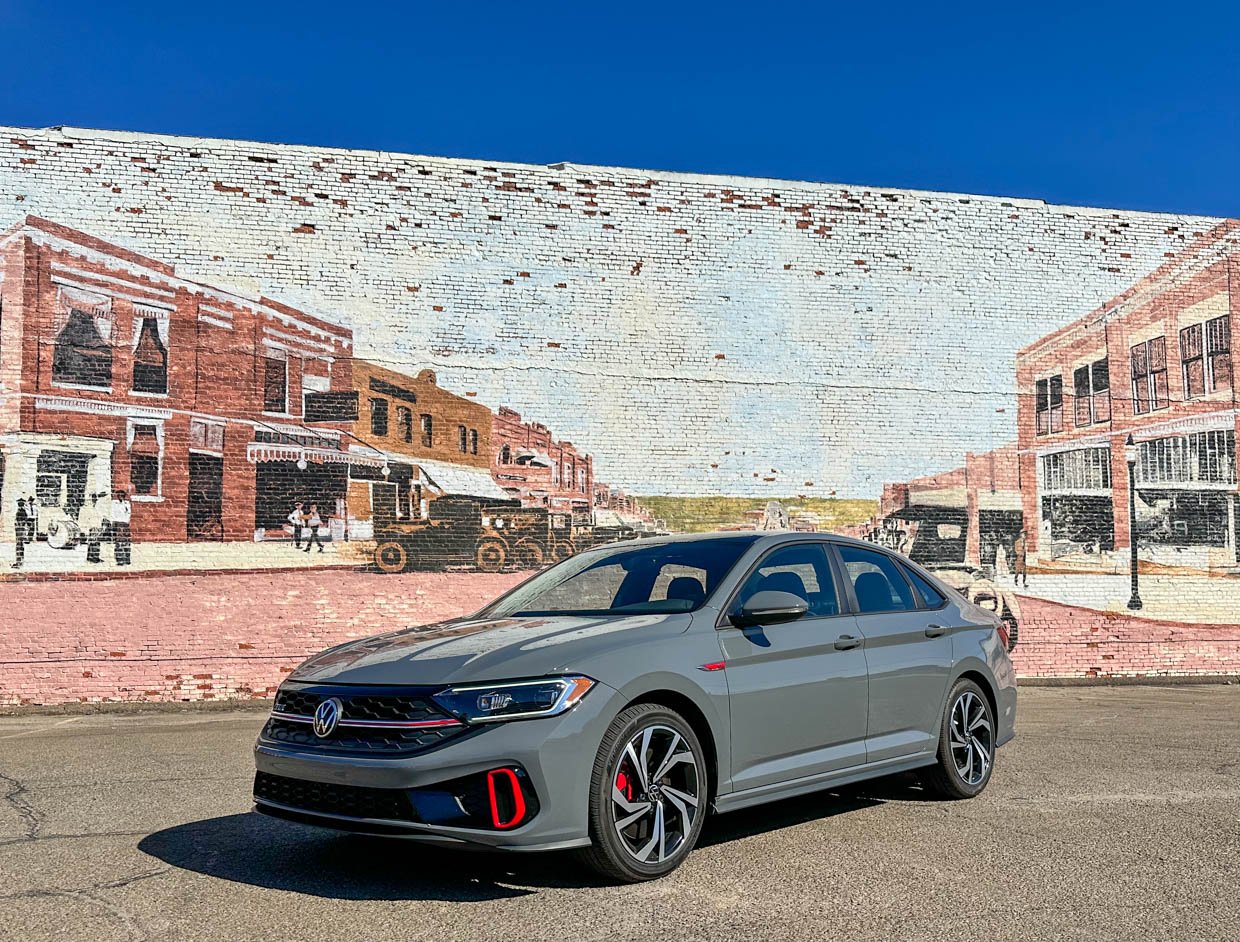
x=130 y=923
x=9 y=842
x=30 y=818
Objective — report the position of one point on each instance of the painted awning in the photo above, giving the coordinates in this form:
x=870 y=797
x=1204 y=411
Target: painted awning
x=260 y=452
x=461 y=480
x=532 y=456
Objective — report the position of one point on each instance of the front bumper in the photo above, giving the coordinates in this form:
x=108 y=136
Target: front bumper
x=554 y=755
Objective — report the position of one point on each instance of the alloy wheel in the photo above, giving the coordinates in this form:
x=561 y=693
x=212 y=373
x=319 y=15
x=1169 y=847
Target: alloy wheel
x=971 y=736
x=655 y=794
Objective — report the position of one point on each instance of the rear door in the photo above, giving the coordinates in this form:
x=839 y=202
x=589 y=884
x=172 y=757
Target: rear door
x=797 y=689
x=908 y=651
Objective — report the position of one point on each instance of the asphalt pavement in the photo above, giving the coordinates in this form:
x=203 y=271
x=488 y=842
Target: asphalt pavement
x=1115 y=814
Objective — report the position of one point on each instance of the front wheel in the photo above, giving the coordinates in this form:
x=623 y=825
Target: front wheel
x=648 y=795
x=966 y=744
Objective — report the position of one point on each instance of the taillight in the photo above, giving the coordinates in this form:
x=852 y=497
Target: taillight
x=507 y=799
x=1002 y=631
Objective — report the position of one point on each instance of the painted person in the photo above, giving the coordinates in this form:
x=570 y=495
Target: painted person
x=313 y=522
x=94 y=522
x=120 y=515
x=23 y=530
x=1020 y=553
x=297 y=520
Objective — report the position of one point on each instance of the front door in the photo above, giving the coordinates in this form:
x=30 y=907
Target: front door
x=204 y=509
x=797 y=700
x=384 y=501
x=908 y=650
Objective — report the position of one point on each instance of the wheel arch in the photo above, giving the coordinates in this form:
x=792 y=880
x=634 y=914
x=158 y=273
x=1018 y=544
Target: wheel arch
x=985 y=682
x=696 y=718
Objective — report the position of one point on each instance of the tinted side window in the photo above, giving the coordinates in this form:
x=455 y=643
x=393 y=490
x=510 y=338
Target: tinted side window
x=876 y=580
x=929 y=594
x=801 y=569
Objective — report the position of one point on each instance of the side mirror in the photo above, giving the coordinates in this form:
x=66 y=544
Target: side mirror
x=768 y=608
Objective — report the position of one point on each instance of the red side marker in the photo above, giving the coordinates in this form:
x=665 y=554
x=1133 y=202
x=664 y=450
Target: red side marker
x=714 y=666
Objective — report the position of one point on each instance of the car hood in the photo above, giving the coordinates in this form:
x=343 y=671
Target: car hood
x=473 y=649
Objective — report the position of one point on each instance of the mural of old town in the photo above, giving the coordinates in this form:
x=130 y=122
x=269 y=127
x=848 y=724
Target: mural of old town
x=160 y=412
x=213 y=464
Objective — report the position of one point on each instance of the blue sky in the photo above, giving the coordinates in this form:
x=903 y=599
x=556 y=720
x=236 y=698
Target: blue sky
x=1129 y=105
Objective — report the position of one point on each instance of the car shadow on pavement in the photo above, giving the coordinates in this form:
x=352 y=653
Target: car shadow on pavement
x=815 y=806
x=260 y=851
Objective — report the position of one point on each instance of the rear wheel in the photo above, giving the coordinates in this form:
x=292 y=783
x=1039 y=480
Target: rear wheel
x=966 y=744
x=491 y=555
x=529 y=554
x=391 y=556
x=648 y=795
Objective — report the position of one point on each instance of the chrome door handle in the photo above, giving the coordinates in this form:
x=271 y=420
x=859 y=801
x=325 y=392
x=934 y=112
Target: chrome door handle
x=935 y=631
x=846 y=642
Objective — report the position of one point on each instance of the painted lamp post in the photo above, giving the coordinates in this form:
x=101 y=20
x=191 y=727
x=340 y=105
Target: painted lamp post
x=1131 y=453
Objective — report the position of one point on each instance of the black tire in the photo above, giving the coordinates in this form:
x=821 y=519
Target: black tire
x=609 y=855
x=946 y=778
x=529 y=554
x=562 y=550
x=391 y=557
x=491 y=555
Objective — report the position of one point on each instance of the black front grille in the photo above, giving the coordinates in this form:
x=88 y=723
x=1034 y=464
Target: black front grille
x=359 y=741
x=351 y=801
x=374 y=707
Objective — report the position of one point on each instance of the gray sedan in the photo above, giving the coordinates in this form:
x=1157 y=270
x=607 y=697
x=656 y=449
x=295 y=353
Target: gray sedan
x=610 y=702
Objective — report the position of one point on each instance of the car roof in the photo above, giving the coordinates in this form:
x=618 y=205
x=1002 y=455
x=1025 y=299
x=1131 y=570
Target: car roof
x=766 y=537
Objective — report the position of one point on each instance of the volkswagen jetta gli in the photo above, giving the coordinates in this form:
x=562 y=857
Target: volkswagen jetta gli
x=611 y=701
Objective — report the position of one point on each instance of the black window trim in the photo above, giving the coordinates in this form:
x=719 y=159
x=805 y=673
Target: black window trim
x=846 y=602
x=906 y=567
x=918 y=603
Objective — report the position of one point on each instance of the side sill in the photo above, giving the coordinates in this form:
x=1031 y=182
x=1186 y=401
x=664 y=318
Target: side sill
x=735 y=801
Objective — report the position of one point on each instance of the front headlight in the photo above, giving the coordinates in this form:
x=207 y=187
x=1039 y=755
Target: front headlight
x=514 y=700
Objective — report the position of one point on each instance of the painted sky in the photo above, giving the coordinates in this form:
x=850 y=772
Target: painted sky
x=1128 y=104
x=730 y=376
x=747 y=356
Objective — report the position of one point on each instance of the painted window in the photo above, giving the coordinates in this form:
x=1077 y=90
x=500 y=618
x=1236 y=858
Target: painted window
x=83 y=356
x=275 y=385
x=1049 y=405
x=150 y=358
x=462 y=440
x=206 y=436
x=379 y=417
x=1199 y=458
x=1084 y=469
x=1091 y=389
x=473 y=441
x=1149 y=375
x=144 y=456
x=505 y=455
x=404 y=423
x=1205 y=357
x=428 y=431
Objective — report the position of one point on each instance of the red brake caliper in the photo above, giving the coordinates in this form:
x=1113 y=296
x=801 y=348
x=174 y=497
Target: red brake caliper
x=625 y=786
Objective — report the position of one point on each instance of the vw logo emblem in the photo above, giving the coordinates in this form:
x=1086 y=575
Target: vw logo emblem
x=327 y=716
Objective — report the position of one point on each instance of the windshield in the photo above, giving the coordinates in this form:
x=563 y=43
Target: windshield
x=627 y=579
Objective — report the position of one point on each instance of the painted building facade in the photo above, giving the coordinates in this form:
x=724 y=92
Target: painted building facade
x=1157 y=365
x=696 y=338
x=422 y=442
x=533 y=467
x=119 y=376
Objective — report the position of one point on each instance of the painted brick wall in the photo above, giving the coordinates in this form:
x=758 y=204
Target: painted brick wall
x=696 y=337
